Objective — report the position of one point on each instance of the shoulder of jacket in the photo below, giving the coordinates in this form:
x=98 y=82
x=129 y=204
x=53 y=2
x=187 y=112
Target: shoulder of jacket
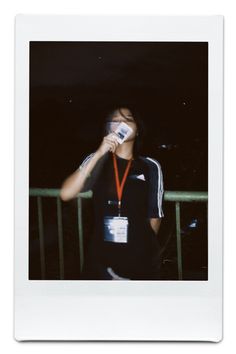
x=151 y=161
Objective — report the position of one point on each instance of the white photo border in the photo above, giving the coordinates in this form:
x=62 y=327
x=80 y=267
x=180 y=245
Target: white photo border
x=133 y=310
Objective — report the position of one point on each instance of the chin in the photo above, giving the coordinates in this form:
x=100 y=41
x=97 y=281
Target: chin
x=129 y=139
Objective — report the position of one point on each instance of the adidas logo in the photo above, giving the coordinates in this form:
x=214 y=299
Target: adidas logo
x=141 y=177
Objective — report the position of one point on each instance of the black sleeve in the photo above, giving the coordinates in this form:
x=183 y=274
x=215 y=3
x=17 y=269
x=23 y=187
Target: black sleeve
x=85 y=160
x=93 y=177
x=156 y=189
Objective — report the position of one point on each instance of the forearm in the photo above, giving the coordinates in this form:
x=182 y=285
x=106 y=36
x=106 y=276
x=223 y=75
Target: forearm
x=76 y=181
x=155 y=224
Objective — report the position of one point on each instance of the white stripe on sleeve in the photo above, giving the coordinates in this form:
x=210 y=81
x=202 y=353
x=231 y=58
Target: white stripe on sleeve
x=86 y=160
x=160 y=189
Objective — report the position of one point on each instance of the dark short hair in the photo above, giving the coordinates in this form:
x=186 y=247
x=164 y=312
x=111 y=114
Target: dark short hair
x=138 y=120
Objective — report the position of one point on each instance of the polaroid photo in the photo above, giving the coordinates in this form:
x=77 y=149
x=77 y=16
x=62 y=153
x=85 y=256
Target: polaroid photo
x=118 y=178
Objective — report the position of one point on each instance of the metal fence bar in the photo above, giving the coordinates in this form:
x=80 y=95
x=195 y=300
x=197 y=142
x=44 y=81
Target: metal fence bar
x=169 y=196
x=54 y=192
x=80 y=229
x=191 y=197
x=178 y=239
x=60 y=238
x=41 y=238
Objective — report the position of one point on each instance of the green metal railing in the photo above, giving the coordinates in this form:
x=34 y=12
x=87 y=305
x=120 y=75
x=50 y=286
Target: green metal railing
x=39 y=193
x=177 y=198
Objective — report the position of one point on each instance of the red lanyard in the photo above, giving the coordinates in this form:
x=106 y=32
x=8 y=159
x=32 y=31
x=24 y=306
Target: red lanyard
x=119 y=187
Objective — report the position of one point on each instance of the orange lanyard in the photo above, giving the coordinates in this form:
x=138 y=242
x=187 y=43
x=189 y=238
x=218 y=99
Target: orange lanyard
x=119 y=187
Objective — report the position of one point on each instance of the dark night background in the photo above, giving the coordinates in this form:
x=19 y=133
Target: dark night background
x=71 y=86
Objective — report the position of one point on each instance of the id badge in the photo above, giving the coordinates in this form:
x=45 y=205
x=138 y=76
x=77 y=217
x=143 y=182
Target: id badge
x=116 y=229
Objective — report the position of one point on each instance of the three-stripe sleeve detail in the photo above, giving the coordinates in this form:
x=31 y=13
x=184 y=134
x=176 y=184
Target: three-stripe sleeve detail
x=86 y=160
x=160 y=189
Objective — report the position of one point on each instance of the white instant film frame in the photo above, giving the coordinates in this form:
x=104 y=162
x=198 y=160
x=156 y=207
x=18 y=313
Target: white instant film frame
x=133 y=310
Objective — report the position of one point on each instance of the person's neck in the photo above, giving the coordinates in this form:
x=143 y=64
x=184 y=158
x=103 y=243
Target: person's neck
x=125 y=150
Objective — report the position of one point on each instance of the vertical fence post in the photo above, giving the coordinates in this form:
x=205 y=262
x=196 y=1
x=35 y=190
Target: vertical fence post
x=41 y=238
x=60 y=238
x=80 y=229
x=178 y=236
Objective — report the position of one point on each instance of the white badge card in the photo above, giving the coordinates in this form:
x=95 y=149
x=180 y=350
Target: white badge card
x=70 y=72
x=123 y=131
x=116 y=229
